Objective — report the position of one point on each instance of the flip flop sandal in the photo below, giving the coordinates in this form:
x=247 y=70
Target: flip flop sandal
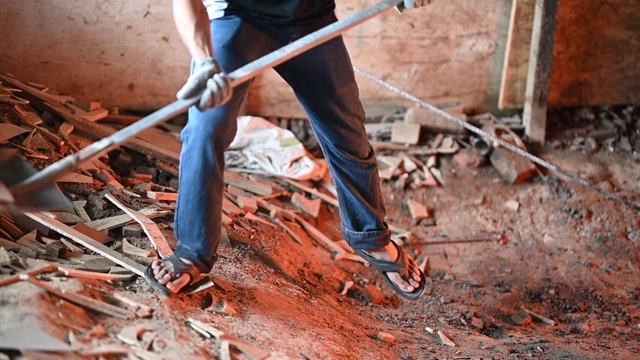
x=179 y=267
x=400 y=266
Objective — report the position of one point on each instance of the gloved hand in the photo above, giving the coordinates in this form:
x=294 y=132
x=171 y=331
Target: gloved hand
x=411 y=4
x=209 y=76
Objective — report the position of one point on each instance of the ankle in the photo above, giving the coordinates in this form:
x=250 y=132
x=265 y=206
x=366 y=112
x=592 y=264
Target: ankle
x=388 y=252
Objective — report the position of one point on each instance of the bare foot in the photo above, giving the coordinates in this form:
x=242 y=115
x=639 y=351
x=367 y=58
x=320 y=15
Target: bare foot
x=163 y=270
x=390 y=253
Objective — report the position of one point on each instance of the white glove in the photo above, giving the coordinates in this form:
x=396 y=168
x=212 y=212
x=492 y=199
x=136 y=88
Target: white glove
x=209 y=79
x=411 y=4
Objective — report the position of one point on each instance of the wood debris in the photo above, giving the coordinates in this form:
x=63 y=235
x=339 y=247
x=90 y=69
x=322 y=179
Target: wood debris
x=132 y=250
x=139 y=179
x=150 y=228
x=445 y=339
x=538 y=316
x=208 y=330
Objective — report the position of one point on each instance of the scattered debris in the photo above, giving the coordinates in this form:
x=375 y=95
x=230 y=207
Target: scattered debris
x=141 y=178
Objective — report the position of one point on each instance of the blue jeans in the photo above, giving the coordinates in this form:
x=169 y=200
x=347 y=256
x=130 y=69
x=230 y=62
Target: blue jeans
x=323 y=81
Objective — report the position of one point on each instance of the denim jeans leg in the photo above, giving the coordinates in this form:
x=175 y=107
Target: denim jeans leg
x=324 y=83
x=204 y=140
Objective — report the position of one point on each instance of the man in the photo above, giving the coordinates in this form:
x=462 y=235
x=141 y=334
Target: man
x=222 y=36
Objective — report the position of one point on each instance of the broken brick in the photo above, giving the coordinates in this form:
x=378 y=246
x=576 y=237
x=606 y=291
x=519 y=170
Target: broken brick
x=405 y=133
x=468 y=158
x=521 y=318
x=56 y=249
x=434 y=122
x=386 y=337
x=372 y=294
x=131 y=231
x=247 y=204
x=513 y=168
x=418 y=211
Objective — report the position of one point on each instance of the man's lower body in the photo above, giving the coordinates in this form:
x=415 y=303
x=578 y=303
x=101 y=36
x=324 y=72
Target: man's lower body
x=323 y=81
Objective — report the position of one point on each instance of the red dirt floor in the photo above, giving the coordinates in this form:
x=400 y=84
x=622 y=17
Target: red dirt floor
x=567 y=253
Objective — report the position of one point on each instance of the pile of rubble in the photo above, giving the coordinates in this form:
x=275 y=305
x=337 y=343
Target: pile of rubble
x=123 y=201
x=590 y=129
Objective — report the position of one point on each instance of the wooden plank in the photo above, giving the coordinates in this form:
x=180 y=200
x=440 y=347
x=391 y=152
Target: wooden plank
x=9 y=131
x=75 y=178
x=539 y=76
x=313 y=191
x=162 y=196
x=84 y=301
x=5 y=195
x=243 y=183
x=286 y=228
x=336 y=250
x=157 y=136
x=9 y=245
x=150 y=228
x=120 y=220
x=209 y=330
x=516 y=64
x=93 y=115
x=88 y=242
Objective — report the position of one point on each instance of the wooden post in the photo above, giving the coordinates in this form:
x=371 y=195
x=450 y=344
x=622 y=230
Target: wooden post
x=516 y=62
x=538 y=78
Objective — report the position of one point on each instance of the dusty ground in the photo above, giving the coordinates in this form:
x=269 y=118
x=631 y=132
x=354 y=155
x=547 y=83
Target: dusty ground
x=567 y=253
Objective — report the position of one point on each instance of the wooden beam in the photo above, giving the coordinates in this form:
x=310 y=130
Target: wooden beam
x=538 y=78
x=516 y=62
x=88 y=242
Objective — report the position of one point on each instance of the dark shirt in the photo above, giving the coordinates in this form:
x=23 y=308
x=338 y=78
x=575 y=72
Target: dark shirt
x=296 y=15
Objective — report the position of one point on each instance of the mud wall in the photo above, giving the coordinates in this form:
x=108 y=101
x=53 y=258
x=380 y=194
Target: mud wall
x=597 y=53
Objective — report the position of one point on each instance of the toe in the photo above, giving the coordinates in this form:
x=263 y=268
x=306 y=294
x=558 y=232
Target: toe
x=159 y=272
x=177 y=284
x=401 y=283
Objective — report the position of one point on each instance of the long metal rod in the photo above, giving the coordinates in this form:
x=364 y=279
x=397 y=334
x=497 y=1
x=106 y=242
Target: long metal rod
x=496 y=139
x=239 y=76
